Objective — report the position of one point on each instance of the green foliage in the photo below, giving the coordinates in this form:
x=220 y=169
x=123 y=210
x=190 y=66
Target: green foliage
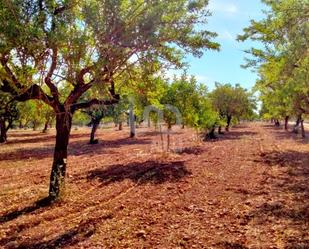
x=8 y=110
x=232 y=101
x=207 y=118
x=282 y=63
x=34 y=114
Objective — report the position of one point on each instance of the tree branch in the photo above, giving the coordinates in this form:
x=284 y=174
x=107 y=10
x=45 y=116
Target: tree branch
x=35 y=92
x=52 y=87
x=92 y=102
x=80 y=77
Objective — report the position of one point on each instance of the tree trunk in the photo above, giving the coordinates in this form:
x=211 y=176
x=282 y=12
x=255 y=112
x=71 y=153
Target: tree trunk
x=45 y=126
x=303 y=133
x=286 y=123
x=211 y=134
x=277 y=123
x=57 y=176
x=148 y=122
x=34 y=125
x=95 y=125
x=3 y=136
x=228 y=122
x=220 y=130
x=169 y=128
x=132 y=121
x=296 y=126
x=120 y=126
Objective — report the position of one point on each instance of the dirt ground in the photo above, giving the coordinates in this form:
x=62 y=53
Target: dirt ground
x=248 y=189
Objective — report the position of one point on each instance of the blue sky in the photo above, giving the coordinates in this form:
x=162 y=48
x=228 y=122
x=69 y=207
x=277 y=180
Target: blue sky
x=228 y=19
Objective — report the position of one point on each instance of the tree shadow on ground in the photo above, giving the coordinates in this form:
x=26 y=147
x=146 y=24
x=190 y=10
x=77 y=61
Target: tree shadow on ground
x=40 y=138
x=289 y=192
x=141 y=172
x=44 y=202
x=72 y=237
x=229 y=245
x=76 y=148
x=235 y=135
x=281 y=133
x=196 y=150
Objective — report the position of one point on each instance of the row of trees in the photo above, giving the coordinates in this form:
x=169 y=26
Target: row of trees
x=58 y=51
x=197 y=108
x=283 y=60
x=72 y=55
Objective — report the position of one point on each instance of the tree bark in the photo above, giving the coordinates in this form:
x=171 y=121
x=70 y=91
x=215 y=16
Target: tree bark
x=296 y=126
x=45 y=126
x=34 y=125
x=120 y=126
x=277 y=123
x=3 y=136
x=228 y=122
x=95 y=125
x=220 y=130
x=286 y=123
x=132 y=122
x=211 y=134
x=57 y=176
x=303 y=133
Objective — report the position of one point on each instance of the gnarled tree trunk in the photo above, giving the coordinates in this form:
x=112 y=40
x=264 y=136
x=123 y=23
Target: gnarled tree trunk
x=228 y=122
x=296 y=126
x=3 y=129
x=45 y=126
x=303 y=133
x=277 y=123
x=211 y=134
x=57 y=176
x=132 y=121
x=286 y=123
x=95 y=125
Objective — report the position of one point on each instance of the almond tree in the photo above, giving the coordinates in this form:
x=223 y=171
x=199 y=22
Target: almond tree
x=76 y=45
x=8 y=114
x=283 y=60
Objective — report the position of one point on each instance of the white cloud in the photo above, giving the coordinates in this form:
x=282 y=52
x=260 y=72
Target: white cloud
x=201 y=78
x=226 y=35
x=216 y=6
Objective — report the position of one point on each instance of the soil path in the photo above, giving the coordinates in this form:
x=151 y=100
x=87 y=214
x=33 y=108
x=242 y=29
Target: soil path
x=248 y=189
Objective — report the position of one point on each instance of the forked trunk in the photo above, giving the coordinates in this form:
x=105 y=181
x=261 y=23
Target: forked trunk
x=228 y=122
x=3 y=136
x=57 y=176
x=286 y=123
